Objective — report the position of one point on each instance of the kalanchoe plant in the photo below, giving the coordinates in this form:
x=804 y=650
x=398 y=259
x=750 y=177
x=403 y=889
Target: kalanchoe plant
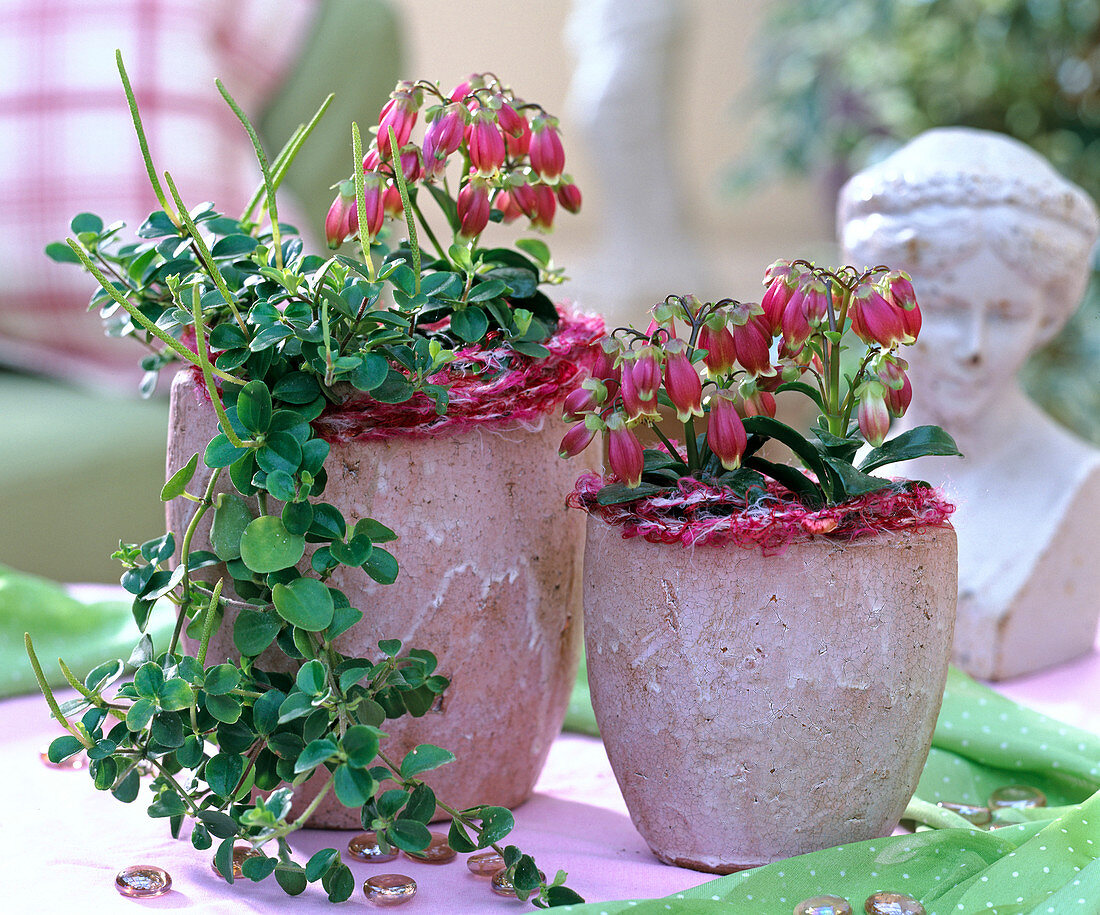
x=721 y=371
x=505 y=160
x=275 y=334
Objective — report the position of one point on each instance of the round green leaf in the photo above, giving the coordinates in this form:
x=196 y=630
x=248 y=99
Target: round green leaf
x=148 y=680
x=64 y=747
x=315 y=753
x=254 y=407
x=267 y=546
x=371 y=371
x=297 y=516
x=221 y=452
x=292 y=878
x=297 y=387
x=223 y=772
x=381 y=566
x=221 y=679
x=254 y=630
x=354 y=787
x=305 y=603
x=86 y=222
x=410 y=836
x=231 y=517
x=280 y=452
x=174 y=695
x=312 y=678
x=281 y=485
x=470 y=324
x=226 y=709
x=360 y=744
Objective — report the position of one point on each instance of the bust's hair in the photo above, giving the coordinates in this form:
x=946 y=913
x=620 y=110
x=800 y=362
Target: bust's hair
x=949 y=191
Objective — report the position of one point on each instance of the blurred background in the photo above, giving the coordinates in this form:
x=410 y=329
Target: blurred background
x=708 y=137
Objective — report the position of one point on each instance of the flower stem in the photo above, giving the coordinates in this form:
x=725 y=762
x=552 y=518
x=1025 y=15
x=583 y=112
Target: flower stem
x=360 y=199
x=142 y=142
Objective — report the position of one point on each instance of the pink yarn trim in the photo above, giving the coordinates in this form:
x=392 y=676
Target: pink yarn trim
x=487 y=387
x=697 y=514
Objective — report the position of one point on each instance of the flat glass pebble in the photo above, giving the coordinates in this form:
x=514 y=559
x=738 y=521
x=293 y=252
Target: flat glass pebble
x=502 y=886
x=241 y=853
x=437 y=852
x=823 y=905
x=389 y=889
x=143 y=881
x=887 y=903
x=486 y=864
x=979 y=816
x=74 y=762
x=1018 y=796
x=364 y=847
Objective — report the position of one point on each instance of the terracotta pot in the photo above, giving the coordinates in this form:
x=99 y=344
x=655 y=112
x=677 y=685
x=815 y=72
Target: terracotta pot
x=754 y=708
x=490 y=582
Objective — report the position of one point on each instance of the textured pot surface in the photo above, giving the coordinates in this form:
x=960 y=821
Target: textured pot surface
x=490 y=582
x=756 y=708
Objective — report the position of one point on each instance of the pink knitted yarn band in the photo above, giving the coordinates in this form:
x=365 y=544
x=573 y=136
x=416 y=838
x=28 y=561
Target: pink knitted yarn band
x=487 y=387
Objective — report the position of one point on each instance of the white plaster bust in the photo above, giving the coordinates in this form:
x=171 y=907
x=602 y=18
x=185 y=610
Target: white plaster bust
x=997 y=244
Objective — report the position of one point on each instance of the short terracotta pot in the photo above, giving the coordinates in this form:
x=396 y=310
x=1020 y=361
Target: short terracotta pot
x=490 y=581
x=758 y=707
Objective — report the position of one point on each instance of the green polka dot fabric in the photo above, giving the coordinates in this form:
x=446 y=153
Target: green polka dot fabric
x=1032 y=860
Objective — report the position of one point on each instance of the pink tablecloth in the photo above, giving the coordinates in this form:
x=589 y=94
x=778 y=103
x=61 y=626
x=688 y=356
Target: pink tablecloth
x=61 y=842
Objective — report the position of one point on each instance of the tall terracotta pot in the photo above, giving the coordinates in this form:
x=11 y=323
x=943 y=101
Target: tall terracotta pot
x=757 y=707
x=490 y=581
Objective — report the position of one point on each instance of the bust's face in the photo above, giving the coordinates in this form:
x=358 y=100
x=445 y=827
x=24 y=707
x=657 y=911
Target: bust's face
x=981 y=322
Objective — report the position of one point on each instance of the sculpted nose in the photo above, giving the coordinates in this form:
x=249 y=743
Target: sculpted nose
x=972 y=339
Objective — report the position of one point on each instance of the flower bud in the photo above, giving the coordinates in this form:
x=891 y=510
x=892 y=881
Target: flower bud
x=410 y=164
x=873 y=416
x=900 y=293
x=546 y=152
x=624 y=451
x=518 y=146
x=485 y=143
x=682 y=383
x=726 y=435
x=605 y=353
x=575 y=440
x=372 y=162
x=338 y=220
x=400 y=114
x=816 y=301
x=464 y=88
x=473 y=208
x=781 y=283
x=545 y=205
x=569 y=196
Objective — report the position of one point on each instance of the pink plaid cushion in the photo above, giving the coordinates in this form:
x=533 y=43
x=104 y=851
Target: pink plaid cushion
x=67 y=143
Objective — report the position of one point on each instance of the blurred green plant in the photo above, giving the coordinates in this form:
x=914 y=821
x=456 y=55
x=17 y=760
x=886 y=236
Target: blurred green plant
x=845 y=82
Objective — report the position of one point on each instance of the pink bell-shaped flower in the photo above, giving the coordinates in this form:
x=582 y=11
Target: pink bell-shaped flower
x=338 y=220
x=682 y=382
x=726 y=435
x=874 y=320
x=473 y=208
x=546 y=152
x=640 y=380
x=545 y=206
x=374 y=190
x=506 y=203
x=569 y=196
x=721 y=357
x=575 y=440
x=485 y=144
x=624 y=451
x=400 y=114
x=753 y=345
x=898 y=399
x=873 y=416
x=442 y=138
x=795 y=324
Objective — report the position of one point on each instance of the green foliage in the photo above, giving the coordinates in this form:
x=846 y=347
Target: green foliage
x=287 y=332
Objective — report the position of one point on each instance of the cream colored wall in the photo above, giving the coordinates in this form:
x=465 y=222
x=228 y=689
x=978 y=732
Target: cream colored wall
x=527 y=48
